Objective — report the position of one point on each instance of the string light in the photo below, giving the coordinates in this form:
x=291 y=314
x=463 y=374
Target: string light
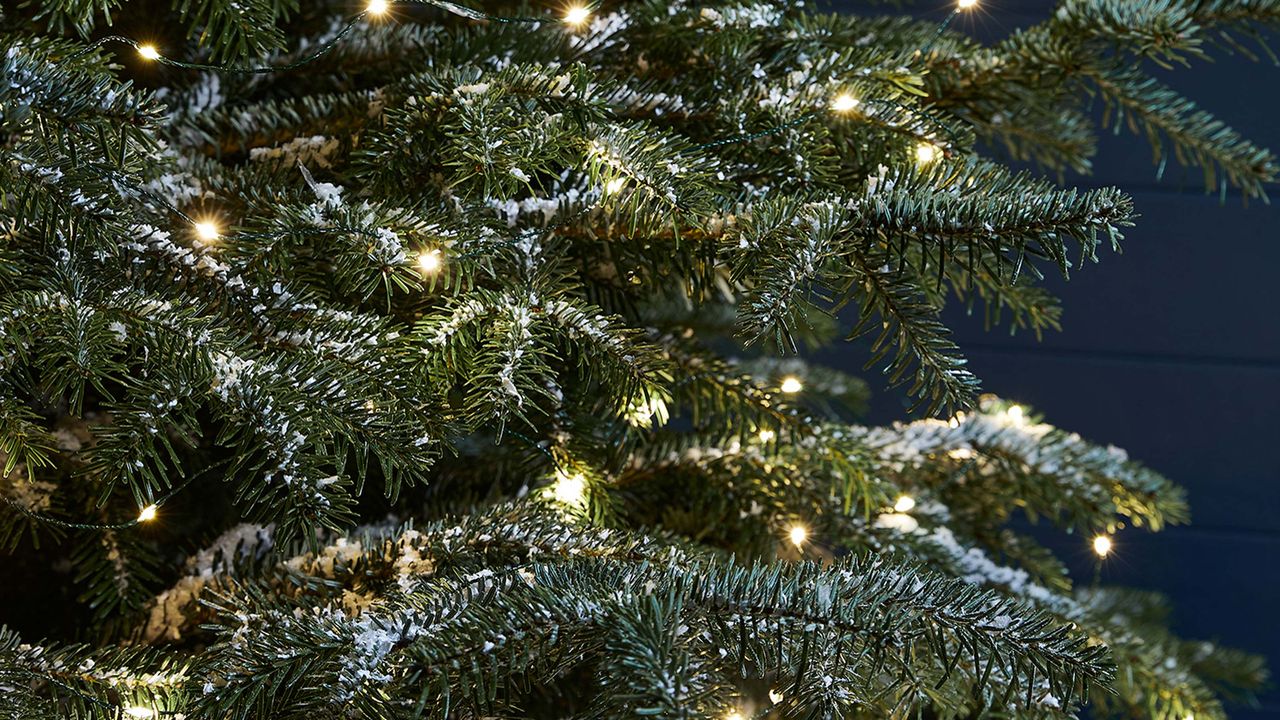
x=615 y=185
x=149 y=52
x=775 y=696
x=735 y=715
x=926 y=153
x=570 y=488
x=148 y=513
x=966 y=4
x=138 y=711
x=767 y=436
x=1014 y=413
x=961 y=454
x=430 y=262
x=207 y=230
x=844 y=102
x=904 y=504
x=1101 y=545
x=377 y=7
x=798 y=534
x=791 y=385
x=577 y=15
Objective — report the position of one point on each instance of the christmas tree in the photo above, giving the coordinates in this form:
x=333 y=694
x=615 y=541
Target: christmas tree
x=442 y=359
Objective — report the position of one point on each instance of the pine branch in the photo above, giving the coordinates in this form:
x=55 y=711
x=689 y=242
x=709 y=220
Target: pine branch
x=1163 y=674
x=790 y=246
x=530 y=623
x=1162 y=31
x=234 y=30
x=718 y=396
x=942 y=384
x=509 y=344
x=76 y=681
x=71 y=95
x=653 y=668
x=80 y=16
x=1196 y=137
x=1043 y=470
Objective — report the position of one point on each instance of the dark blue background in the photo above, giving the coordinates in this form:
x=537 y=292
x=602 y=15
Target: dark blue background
x=1171 y=351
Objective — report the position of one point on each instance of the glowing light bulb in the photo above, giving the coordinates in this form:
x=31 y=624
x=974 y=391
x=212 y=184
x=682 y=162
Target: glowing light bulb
x=570 y=489
x=137 y=711
x=926 y=153
x=577 y=15
x=791 y=385
x=798 y=534
x=430 y=262
x=149 y=52
x=207 y=230
x=615 y=185
x=961 y=454
x=904 y=503
x=775 y=696
x=148 y=513
x=844 y=102
x=767 y=436
x=377 y=7
x=966 y=4
x=735 y=715
x=1101 y=545
x=1014 y=413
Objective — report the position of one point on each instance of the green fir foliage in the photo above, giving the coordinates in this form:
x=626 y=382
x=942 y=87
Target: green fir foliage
x=443 y=362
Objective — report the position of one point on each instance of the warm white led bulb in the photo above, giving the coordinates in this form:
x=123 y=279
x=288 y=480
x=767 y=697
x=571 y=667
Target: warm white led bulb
x=147 y=513
x=767 y=436
x=1101 y=545
x=798 y=534
x=149 y=52
x=1014 y=413
x=966 y=4
x=615 y=185
x=570 y=489
x=138 y=711
x=844 y=102
x=791 y=385
x=377 y=7
x=576 y=15
x=926 y=153
x=207 y=231
x=904 y=503
x=430 y=262
x=776 y=696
